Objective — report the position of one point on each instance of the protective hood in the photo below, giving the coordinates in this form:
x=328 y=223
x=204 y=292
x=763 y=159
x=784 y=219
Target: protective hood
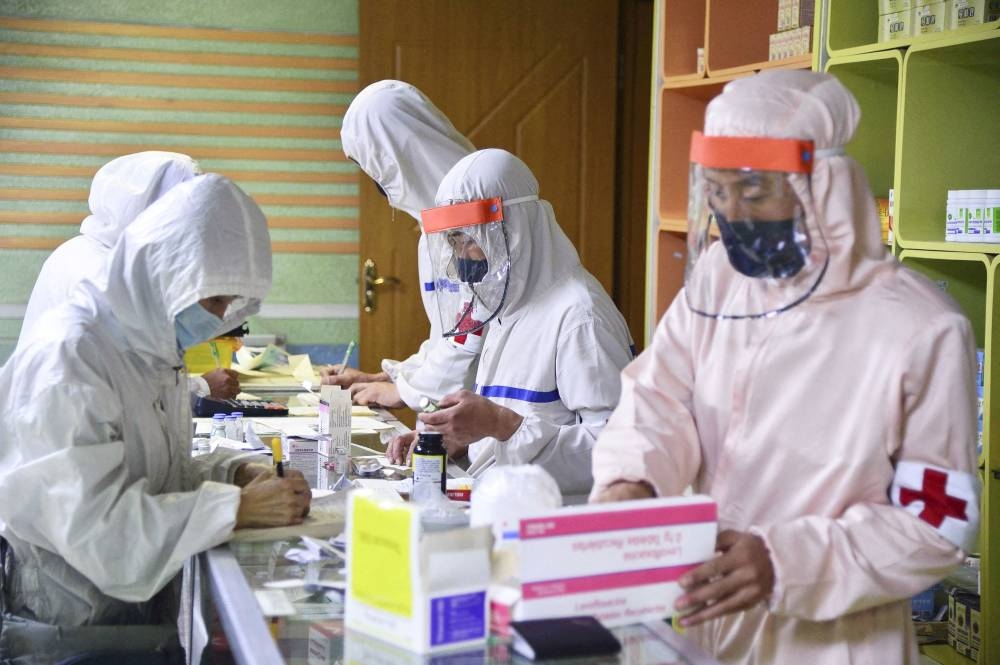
x=403 y=142
x=540 y=253
x=126 y=186
x=204 y=238
x=814 y=107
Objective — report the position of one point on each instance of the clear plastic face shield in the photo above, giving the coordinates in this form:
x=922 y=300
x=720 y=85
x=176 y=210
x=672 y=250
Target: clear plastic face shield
x=755 y=247
x=470 y=259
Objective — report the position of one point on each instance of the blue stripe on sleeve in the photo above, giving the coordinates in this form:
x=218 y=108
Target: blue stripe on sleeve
x=428 y=286
x=509 y=392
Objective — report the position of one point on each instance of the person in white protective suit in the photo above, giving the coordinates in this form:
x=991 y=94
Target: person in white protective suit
x=819 y=391
x=406 y=145
x=121 y=189
x=548 y=376
x=101 y=501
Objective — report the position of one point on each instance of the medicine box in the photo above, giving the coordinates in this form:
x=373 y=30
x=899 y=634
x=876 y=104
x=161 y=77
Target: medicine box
x=964 y=627
x=930 y=18
x=795 y=14
x=618 y=562
x=898 y=25
x=893 y=6
x=423 y=592
x=970 y=12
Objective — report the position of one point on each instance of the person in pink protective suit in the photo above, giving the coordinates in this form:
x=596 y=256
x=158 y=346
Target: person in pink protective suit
x=820 y=392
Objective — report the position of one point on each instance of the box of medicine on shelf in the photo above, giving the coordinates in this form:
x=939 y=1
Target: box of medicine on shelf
x=972 y=12
x=897 y=25
x=795 y=14
x=893 y=6
x=929 y=18
x=964 y=629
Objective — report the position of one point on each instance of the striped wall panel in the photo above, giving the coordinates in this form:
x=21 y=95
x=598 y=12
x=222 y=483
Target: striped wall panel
x=263 y=108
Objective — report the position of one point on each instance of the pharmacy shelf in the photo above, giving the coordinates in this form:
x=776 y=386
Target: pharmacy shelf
x=853 y=29
x=682 y=26
x=947 y=137
x=735 y=38
x=972 y=280
x=875 y=80
x=945 y=655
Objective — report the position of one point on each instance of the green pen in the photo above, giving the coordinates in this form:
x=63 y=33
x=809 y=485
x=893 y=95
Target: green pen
x=347 y=356
x=215 y=354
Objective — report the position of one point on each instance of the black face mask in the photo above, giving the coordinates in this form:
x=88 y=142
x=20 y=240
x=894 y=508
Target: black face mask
x=762 y=249
x=471 y=271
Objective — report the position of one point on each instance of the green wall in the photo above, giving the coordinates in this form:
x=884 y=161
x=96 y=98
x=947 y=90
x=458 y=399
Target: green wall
x=327 y=279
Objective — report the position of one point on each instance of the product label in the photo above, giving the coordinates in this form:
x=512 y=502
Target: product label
x=428 y=468
x=380 y=561
x=458 y=618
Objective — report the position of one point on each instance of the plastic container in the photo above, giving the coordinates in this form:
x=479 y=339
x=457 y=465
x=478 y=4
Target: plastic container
x=231 y=432
x=218 y=425
x=238 y=435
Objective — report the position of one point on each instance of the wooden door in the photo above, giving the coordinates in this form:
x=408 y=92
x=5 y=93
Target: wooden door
x=535 y=77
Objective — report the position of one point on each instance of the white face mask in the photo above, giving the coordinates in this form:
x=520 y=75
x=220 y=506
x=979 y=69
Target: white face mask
x=195 y=324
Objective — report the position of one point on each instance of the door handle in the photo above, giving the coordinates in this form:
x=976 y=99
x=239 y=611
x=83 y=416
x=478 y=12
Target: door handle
x=373 y=280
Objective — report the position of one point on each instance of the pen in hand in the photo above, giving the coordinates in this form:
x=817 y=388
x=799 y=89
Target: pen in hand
x=215 y=354
x=347 y=356
x=276 y=452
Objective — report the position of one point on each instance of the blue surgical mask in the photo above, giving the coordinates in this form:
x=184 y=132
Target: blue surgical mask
x=195 y=324
x=762 y=249
x=471 y=271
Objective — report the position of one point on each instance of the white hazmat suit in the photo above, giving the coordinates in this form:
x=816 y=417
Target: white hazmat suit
x=121 y=189
x=555 y=349
x=100 y=498
x=406 y=145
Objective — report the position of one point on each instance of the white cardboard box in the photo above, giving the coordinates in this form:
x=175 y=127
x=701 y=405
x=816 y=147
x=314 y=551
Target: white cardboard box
x=424 y=592
x=619 y=562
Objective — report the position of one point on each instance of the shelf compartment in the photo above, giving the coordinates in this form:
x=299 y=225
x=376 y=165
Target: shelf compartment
x=737 y=38
x=682 y=30
x=875 y=80
x=853 y=29
x=949 y=139
x=671 y=258
x=681 y=111
x=968 y=277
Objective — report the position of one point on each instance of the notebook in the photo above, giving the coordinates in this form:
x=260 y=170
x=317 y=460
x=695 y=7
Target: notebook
x=562 y=637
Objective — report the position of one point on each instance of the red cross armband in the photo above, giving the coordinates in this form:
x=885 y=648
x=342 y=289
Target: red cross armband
x=947 y=500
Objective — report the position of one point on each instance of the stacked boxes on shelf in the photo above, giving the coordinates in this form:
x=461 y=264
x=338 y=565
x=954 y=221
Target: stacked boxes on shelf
x=900 y=19
x=795 y=19
x=972 y=215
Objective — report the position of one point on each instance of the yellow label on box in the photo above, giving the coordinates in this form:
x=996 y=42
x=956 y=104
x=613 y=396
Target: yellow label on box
x=380 y=555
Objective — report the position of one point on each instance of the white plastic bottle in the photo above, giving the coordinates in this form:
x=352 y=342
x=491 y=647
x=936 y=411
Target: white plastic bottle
x=231 y=427
x=976 y=203
x=238 y=429
x=991 y=218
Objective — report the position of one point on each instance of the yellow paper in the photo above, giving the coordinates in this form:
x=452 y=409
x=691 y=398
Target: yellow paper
x=380 y=555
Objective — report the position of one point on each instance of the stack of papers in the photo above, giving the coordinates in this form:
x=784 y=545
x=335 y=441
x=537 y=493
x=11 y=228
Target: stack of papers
x=274 y=368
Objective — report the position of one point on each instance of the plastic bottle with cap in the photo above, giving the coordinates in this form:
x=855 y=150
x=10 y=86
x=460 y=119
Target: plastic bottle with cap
x=430 y=460
x=238 y=430
x=231 y=426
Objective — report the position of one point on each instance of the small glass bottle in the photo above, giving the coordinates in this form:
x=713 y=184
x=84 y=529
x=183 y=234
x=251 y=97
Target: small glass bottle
x=427 y=405
x=238 y=435
x=230 y=426
x=430 y=460
x=219 y=425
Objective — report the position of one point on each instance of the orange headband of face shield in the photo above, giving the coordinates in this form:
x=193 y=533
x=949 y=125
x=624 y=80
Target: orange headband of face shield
x=754 y=153
x=483 y=211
